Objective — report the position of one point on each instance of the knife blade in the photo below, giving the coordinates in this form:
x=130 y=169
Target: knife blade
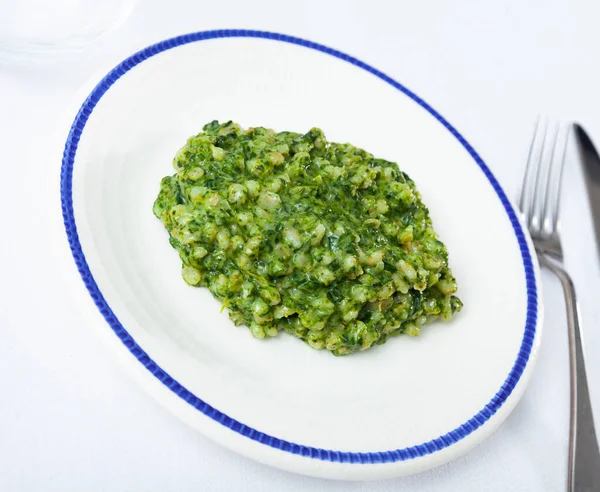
x=590 y=160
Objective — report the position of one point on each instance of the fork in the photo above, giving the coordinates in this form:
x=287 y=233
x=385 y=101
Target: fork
x=539 y=203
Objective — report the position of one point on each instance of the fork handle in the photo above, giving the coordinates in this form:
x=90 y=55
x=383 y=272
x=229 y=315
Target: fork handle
x=584 y=456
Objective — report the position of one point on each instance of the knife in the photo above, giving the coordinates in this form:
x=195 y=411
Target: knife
x=591 y=167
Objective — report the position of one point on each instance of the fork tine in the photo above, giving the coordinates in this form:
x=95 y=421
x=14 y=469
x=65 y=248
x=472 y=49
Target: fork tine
x=543 y=184
x=553 y=186
x=526 y=175
x=529 y=186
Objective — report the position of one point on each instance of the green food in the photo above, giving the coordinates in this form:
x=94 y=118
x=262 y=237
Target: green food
x=319 y=239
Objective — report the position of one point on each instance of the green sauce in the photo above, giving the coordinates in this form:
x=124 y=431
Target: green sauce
x=319 y=239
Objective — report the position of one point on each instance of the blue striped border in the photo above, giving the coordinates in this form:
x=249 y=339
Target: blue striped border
x=412 y=452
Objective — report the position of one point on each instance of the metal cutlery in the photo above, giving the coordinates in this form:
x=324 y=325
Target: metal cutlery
x=591 y=169
x=539 y=204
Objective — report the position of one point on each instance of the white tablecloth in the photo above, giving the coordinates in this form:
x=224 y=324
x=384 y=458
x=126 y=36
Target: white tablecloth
x=70 y=420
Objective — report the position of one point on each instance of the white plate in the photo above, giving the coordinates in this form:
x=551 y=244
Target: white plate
x=399 y=408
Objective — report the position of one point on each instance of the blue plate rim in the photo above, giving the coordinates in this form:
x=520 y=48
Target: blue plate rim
x=389 y=456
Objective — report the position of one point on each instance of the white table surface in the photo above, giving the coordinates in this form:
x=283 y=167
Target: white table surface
x=70 y=420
